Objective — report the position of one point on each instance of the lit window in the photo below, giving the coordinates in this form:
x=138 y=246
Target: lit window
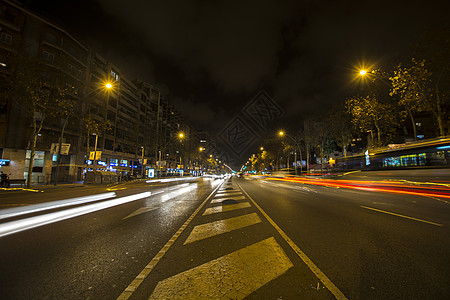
x=115 y=75
x=6 y=38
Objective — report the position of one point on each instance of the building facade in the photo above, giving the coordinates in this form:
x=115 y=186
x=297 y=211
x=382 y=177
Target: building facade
x=131 y=123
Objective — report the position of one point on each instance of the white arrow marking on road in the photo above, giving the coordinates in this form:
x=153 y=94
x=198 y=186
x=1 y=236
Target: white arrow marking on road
x=141 y=211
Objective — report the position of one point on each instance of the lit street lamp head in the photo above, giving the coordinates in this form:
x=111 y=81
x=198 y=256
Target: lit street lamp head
x=362 y=72
x=181 y=135
x=281 y=133
x=108 y=85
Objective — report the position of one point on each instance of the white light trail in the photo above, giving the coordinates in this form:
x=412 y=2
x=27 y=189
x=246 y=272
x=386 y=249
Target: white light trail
x=33 y=222
x=29 y=209
x=171 y=179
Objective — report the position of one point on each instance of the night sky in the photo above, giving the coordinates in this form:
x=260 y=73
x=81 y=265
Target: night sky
x=212 y=57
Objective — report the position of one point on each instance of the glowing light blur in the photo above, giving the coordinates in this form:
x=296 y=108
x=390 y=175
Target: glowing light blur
x=29 y=209
x=33 y=222
x=171 y=179
x=379 y=186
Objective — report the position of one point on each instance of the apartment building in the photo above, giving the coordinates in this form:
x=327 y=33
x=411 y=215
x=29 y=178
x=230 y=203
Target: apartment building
x=132 y=119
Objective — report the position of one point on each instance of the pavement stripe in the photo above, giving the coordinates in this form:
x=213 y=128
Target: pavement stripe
x=225 y=208
x=219 y=200
x=227 y=191
x=403 y=216
x=207 y=230
x=218 y=195
x=319 y=274
x=233 y=276
x=128 y=292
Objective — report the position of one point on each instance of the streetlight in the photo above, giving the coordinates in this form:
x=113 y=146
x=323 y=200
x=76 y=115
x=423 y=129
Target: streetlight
x=282 y=133
x=181 y=136
x=108 y=86
x=365 y=73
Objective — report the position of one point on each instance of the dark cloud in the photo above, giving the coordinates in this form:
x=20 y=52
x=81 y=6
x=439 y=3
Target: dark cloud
x=234 y=43
x=212 y=57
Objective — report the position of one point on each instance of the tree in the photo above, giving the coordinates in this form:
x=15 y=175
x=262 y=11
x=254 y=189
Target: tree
x=412 y=85
x=369 y=115
x=434 y=48
x=91 y=125
x=340 y=128
x=36 y=90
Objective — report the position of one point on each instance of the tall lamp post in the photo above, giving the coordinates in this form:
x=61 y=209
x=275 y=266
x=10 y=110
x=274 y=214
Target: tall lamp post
x=282 y=133
x=181 y=137
x=142 y=163
x=107 y=86
x=94 y=162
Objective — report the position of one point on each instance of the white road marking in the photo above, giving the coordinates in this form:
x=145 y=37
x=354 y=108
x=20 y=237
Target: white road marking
x=141 y=211
x=208 y=230
x=218 y=195
x=225 y=208
x=233 y=276
x=319 y=274
x=128 y=292
x=219 y=200
x=402 y=216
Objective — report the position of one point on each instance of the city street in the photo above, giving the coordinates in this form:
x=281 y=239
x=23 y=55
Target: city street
x=235 y=238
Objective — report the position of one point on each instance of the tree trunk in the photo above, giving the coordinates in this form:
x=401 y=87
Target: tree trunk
x=307 y=158
x=321 y=158
x=33 y=150
x=59 y=151
x=413 y=124
x=438 y=112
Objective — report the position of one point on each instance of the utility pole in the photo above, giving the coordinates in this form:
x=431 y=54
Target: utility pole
x=94 y=166
x=142 y=163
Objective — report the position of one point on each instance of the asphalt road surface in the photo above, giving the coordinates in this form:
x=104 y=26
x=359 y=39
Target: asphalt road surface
x=251 y=237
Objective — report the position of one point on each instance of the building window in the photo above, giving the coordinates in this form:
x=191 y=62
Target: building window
x=114 y=75
x=6 y=38
x=48 y=56
x=50 y=38
x=9 y=16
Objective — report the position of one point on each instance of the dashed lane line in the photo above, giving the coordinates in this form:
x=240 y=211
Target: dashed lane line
x=225 y=208
x=128 y=292
x=211 y=229
x=233 y=276
x=402 y=216
x=309 y=263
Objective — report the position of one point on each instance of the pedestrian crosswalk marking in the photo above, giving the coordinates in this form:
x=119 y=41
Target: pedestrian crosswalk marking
x=227 y=194
x=208 y=230
x=219 y=209
x=233 y=276
x=219 y=200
